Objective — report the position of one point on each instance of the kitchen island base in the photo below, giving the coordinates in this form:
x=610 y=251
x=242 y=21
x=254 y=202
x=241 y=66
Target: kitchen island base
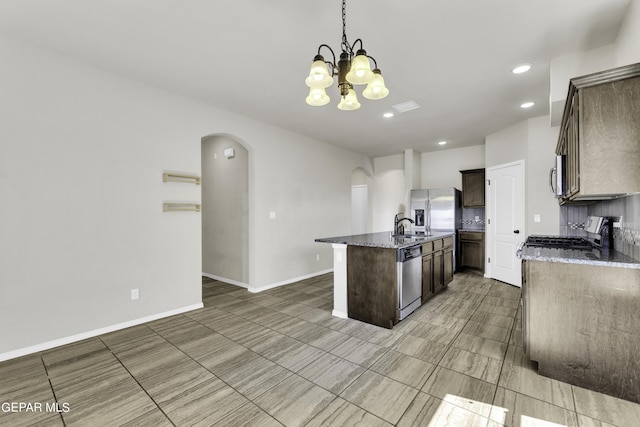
x=365 y=277
x=372 y=292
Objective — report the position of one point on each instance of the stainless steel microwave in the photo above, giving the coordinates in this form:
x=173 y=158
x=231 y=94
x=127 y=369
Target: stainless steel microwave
x=558 y=177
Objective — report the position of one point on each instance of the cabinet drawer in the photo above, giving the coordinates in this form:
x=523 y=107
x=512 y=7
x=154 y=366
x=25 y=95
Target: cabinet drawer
x=427 y=248
x=437 y=244
x=447 y=241
x=471 y=235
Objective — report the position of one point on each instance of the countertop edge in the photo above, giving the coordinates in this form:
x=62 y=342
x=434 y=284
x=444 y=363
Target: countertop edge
x=377 y=240
x=625 y=263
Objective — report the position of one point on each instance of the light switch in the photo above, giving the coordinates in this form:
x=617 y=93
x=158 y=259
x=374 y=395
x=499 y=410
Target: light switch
x=536 y=218
x=272 y=215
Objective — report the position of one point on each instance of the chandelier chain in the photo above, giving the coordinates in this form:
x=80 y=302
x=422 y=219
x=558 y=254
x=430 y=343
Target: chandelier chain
x=345 y=44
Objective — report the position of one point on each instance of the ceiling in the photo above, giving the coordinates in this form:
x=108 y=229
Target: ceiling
x=453 y=57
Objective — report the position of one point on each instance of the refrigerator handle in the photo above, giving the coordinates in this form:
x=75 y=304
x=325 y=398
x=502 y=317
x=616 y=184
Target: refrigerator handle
x=428 y=219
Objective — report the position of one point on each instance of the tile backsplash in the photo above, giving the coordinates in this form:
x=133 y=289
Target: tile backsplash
x=626 y=238
x=469 y=221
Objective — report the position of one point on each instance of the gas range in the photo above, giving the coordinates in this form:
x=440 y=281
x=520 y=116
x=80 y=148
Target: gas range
x=559 y=242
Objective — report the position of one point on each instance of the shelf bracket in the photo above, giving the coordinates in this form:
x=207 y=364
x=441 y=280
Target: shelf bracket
x=180 y=177
x=182 y=207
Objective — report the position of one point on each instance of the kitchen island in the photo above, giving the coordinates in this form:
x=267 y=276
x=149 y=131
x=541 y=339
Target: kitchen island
x=366 y=273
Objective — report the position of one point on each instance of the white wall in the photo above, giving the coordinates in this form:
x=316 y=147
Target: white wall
x=308 y=186
x=507 y=145
x=625 y=51
x=627 y=43
x=442 y=168
x=534 y=142
x=81 y=159
x=540 y=159
x=388 y=191
x=563 y=69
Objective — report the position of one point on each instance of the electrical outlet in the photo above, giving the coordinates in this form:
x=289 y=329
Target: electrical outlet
x=272 y=215
x=135 y=294
x=317 y=257
x=536 y=218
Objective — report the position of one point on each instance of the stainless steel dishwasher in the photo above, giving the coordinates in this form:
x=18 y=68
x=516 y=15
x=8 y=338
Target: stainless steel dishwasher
x=409 y=268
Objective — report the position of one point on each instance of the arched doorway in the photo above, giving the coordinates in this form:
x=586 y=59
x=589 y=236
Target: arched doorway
x=225 y=209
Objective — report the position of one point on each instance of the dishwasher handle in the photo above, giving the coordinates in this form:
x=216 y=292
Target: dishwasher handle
x=405 y=254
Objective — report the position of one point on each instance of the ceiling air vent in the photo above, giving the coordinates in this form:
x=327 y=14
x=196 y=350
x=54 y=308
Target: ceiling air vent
x=406 y=106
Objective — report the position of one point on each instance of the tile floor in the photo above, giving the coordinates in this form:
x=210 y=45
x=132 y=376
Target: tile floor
x=280 y=358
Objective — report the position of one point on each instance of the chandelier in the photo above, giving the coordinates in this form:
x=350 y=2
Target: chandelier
x=350 y=71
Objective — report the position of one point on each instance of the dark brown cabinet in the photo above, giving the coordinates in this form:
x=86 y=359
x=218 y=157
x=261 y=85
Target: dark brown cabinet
x=447 y=262
x=580 y=323
x=599 y=135
x=372 y=289
x=473 y=188
x=427 y=277
x=437 y=266
x=471 y=244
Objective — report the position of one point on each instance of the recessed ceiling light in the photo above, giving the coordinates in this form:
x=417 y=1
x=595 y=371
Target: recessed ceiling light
x=522 y=68
x=527 y=105
x=388 y=115
x=442 y=142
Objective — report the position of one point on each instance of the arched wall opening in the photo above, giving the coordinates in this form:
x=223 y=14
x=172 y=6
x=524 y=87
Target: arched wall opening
x=225 y=209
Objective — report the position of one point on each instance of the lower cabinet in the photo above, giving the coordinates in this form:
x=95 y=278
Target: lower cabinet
x=471 y=244
x=427 y=276
x=437 y=266
x=447 y=261
x=581 y=324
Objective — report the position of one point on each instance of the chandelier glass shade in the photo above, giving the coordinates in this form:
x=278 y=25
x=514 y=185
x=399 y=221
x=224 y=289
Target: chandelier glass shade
x=352 y=69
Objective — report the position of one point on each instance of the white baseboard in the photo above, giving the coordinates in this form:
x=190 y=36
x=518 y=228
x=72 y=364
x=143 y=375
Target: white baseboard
x=90 y=334
x=340 y=314
x=266 y=287
x=225 y=280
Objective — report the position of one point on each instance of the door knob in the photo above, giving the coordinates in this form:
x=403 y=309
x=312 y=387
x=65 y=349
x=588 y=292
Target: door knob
x=516 y=231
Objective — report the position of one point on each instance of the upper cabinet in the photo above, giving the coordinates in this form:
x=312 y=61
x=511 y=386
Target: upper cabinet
x=600 y=135
x=473 y=188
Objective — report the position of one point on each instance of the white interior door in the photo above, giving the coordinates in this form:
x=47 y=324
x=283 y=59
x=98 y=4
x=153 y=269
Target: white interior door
x=359 y=209
x=505 y=221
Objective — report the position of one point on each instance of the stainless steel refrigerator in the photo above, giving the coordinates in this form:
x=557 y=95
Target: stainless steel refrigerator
x=436 y=209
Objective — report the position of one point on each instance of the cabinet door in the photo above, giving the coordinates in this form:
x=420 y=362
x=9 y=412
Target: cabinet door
x=573 y=149
x=427 y=277
x=447 y=261
x=524 y=310
x=473 y=188
x=471 y=254
x=438 y=271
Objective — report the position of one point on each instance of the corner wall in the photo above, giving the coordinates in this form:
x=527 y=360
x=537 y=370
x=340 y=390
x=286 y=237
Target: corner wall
x=441 y=169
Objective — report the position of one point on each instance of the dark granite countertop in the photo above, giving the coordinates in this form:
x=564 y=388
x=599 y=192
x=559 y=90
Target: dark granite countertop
x=595 y=256
x=385 y=239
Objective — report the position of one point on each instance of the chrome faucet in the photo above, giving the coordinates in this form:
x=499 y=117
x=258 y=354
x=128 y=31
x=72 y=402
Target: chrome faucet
x=397 y=221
